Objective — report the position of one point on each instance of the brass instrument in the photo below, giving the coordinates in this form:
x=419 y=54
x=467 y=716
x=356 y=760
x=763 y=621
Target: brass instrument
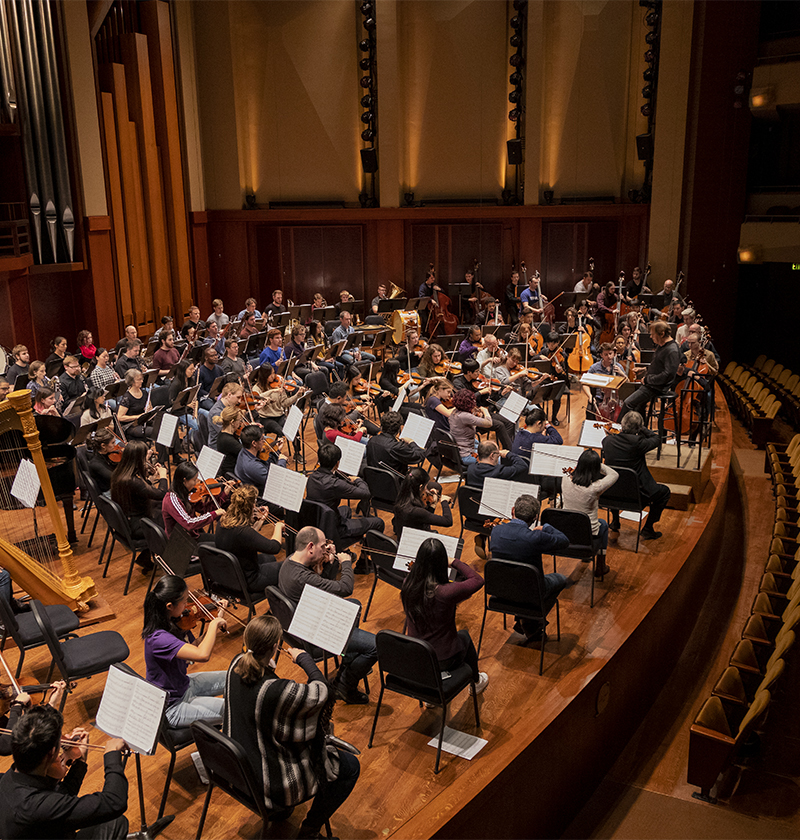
x=58 y=582
x=396 y=292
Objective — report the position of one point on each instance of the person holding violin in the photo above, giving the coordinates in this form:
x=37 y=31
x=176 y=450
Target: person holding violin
x=469 y=347
x=101 y=444
x=538 y=430
x=229 y=397
x=533 y=297
x=390 y=384
x=493 y=462
x=358 y=400
x=430 y=601
x=228 y=425
x=328 y=486
x=13 y=705
x=439 y=404
x=417 y=502
x=555 y=355
x=314 y=563
x=256 y=457
x=525 y=328
x=465 y=420
x=470 y=379
x=520 y=542
x=336 y=424
x=581 y=490
x=607 y=366
x=178 y=505
x=138 y=488
x=40 y=792
x=433 y=362
x=274 y=397
x=169 y=648
x=411 y=352
x=256 y=553
x=387 y=449
x=96 y=408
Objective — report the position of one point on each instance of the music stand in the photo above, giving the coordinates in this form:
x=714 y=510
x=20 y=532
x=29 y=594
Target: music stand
x=196 y=354
x=280 y=319
x=75 y=407
x=391 y=305
x=242 y=342
x=21 y=382
x=448 y=343
x=216 y=386
x=418 y=303
x=84 y=431
x=145 y=418
x=150 y=377
x=323 y=314
x=354 y=339
x=308 y=354
x=335 y=350
x=290 y=366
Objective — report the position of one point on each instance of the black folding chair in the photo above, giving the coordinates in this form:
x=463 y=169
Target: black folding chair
x=380 y=550
x=577 y=528
x=224 y=577
x=505 y=581
x=409 y=666
x=384 y=487
x=79 y=657
x=228 y=768
x=625 y=495
x=469 y=503
x=25 y=631
x=120 y=530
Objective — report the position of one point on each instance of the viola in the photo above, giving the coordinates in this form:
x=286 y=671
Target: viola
x=608 y=427
x=115 y=452
x=288 y=385
x=491 y=523
x=193 y=614
x=446 y=366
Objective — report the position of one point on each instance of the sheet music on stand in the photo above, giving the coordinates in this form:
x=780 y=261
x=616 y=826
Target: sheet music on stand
x=592 y=438
x=410 y=541
x=132 y=709
x=167 y=429
x=418 y=429
x=514 y=405
x=596 y=380
x=324 y=620
x=26 y=484
x=400 y=397
x=208 y=462
x=499 y=496
x=352 y=455
x=285 y=488
x=293 y=420
x=550 y=459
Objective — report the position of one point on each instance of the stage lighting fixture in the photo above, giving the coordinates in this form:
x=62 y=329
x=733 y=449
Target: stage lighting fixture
x=649 y=56
x=516 y=22
x=365 y=45
x=366 y=117
x=368 y=135
x=648 y=74
x=369 y=24
x=647 y=91
x=514 y=96
x=409 y=199
x=651 y=37
x=646 y=109
x=366 y=101
x=514 y=114
x=516 y=41
x=364 y=63
x=366 y=81
x=651 y=19
x=515 y=60
x=366 y=8
x=515 y=78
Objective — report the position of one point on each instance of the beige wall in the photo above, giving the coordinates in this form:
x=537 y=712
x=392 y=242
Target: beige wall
x=279 y=98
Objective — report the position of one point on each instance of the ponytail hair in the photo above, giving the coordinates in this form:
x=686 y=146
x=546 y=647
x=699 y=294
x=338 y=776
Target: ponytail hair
x=169 y=590
x=260 y=637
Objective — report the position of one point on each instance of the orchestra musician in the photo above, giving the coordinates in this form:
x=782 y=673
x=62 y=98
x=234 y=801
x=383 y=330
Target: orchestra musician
x=296 y=347
x=700 y=367
x=231 y=363
x=469 y=379
x=417 y=502
x=430 y=600
x=334 y=423
x=354 y=354
x=256 y=553
x=131 y=334
x=314 y=564
x=37 y=378
x=661 y=372
x=45 y=401
x=432 y=356
x=40 y=792
x=533 y=297
x=71 y=382
x=388 y=449
x=250 y=467
x=167 y=325
x=378 y=298
x=96 y=408
x=538 y=430
x=584 y=285
x=465 y=420
x=472 y=342
x=318 y=302
x=129 y=360
x=689 y=317
x=55 y=361
x=276 y=307
x=177 y=509
x=101 y=467
x=229 y=423
x=249 y=310
x=86 y=346
x=218 y=316
x=281 y=725
x=229 y=396
x=181 y=380
x=169 y=650
x=512 y=300
x=249 y=326
x=328 y=486
x=20 y=365
x=439 y=404
x=14 y=705
x=193 y=322
x=409 y=355
x=273 y=401
x=606 y=366
x=103 y=374
x=273 y=352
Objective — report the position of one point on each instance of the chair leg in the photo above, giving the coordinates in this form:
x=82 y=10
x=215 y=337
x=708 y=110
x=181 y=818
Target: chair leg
x=542 y=641
x=375 y=719
x=21 y=660
x=441 y=738
x=163 y=804
x=475 y=705
x=87 y=509
x=130 y=571
x=103 y=549
x=480 y=638
x=372 y=592
x=205 y=811
x=94 y=528
x=594 y=567
x=558 y=622
x=110 y=554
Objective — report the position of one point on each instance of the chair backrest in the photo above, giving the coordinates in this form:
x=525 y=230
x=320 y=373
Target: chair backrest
x=510 y=580
x=576 y=526
x=116 y=520
x=222 y=570
x=330 y=326
x=469 y=503
x=228 y=767
x=82 y=461
x=450 y=456
x=280 y=606
x=409 y=659
x=317 y=382
x=91 y=487
x=383 y=555
x=624 y=491
x=49 y=636
x=384 y=485
x=9 y=621
x=759 y=362
x=201 y=436
x=322 y=517
x=154 y=536
x=756 y=711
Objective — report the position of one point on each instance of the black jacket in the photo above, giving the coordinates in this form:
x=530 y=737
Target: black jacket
x=397 y=454
x=626 y=450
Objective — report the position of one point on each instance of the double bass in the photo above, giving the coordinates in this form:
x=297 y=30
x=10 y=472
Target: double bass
x=441 y=316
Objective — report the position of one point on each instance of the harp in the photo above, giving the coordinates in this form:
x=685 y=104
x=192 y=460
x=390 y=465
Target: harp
x=42 y=565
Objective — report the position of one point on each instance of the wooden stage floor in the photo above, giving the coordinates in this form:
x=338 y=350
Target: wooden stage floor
x=566 y=727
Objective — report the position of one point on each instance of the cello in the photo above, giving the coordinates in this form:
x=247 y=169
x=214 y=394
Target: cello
x=441 y=316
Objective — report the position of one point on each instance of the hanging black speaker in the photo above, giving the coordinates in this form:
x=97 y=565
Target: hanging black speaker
x=369 y=160
x=644 y=146
x=514 y=148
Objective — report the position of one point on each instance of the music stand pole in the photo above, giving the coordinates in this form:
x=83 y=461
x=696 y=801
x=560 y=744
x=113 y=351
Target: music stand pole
x=147 y=832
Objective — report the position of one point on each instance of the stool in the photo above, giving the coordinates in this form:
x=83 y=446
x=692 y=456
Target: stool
x=667 y=407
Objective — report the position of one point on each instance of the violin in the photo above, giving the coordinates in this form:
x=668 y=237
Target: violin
x=608 y=427
x=288 y=385
x=194 y=613
x=448 y=402
x=444 y=367
x=115 y=452
x=430 y=496
x=271 y=446
x=204 y=490
x=348 y=427
x=491 y=523
x=567 y=470
x=557 y=358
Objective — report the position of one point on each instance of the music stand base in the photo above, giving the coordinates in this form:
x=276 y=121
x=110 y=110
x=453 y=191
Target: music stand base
x=149 y=832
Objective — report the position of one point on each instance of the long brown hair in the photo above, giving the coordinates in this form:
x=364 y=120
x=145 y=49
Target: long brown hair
x=240 y=510
x=260 y=637
x=130 y=468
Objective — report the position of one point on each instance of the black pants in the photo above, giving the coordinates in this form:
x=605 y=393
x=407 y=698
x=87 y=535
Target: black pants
x=111 y=830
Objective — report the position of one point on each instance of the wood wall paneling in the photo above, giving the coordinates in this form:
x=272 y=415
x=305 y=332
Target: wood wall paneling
x=202 y=275
x=116 y=205
x=140 y=104
x=228 y=264
x=568 y=247
x=100 y=283
x=385 y=248
x=112 y=79
x=156 y=23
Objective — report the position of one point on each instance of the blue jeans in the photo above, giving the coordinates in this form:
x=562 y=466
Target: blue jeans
x=331 y=795
x=600 y=539
x=201 y=700
x=347 y=358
